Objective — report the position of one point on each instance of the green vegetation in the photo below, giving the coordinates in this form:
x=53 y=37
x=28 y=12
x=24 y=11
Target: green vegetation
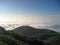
x=55 y=40
x=28 y=31
x=27 y=35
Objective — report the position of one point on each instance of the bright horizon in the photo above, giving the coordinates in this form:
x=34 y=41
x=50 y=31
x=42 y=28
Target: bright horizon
x=30 y=12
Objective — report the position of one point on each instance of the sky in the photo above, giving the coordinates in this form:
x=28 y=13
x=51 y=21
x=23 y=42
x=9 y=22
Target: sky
x=30 y=12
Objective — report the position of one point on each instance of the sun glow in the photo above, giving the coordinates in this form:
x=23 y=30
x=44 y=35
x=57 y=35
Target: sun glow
x=3 y=19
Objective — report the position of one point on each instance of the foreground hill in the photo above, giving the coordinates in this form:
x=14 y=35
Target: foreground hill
x=27 y=35
x=6 y=38
x=37 y=33
x=11 y=38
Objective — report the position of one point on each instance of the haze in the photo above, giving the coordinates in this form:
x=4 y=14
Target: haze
x=30 y=12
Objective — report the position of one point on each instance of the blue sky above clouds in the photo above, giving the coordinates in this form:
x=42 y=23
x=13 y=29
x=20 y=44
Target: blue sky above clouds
x=30 y=11
x=36 y=7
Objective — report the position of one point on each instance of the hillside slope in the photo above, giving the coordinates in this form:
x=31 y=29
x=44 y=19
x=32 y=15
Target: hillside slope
x=37 y=33
x=27 y=35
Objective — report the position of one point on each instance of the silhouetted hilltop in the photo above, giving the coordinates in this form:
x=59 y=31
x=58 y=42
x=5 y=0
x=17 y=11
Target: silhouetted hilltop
x=33 y=32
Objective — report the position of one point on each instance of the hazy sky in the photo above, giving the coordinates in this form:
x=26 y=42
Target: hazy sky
x=31 y=12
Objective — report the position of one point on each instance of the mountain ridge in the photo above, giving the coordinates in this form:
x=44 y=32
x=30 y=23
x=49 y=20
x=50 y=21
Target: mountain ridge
x=33 y=32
